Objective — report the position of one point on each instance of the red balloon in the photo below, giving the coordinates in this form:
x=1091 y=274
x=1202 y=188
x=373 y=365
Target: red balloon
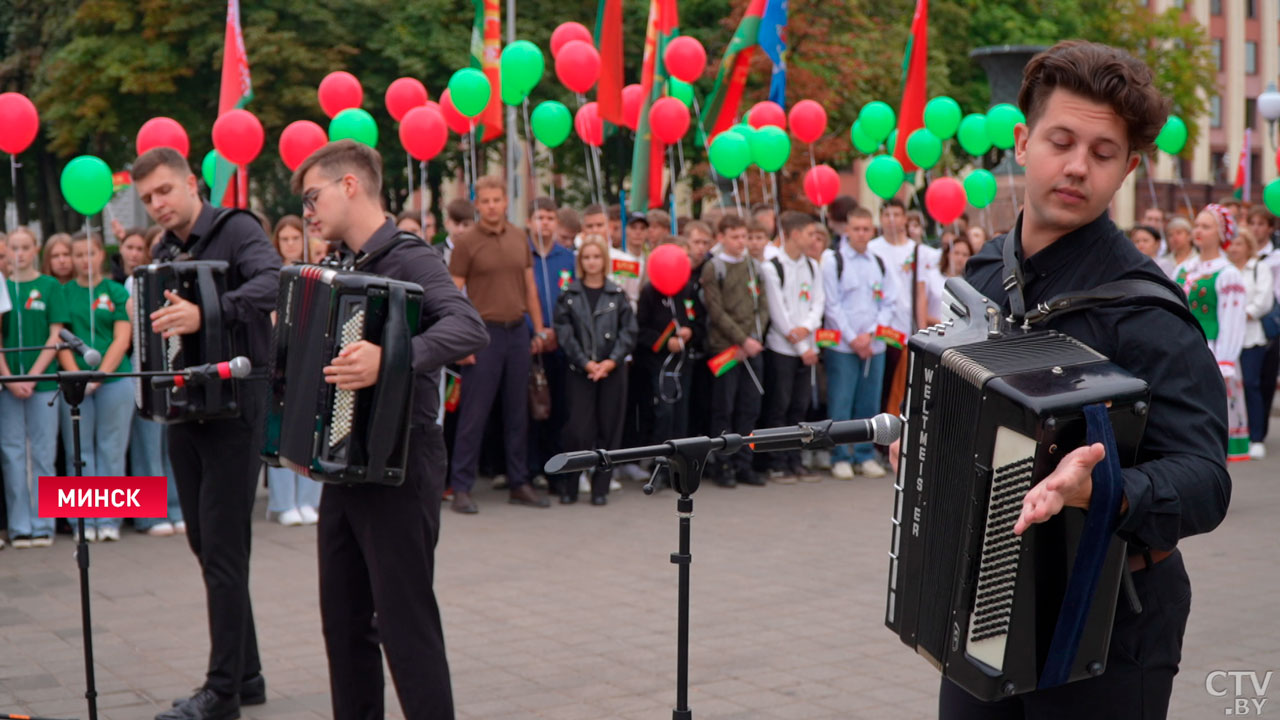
x=685 y=58
x=632 y=99
x=668 y=268
x=578 y=65
x=19 y=122
x=403 y=95
x=162 y=132
x=423 y=132
x=767 y=113
x=808 y=121
x=821 y=185
x=588 y=125
x=238 y=136
x=338 y=91
x=456 y=121
x=568 y=31
x=669 y=119
x=945 y=200
x=299 y=139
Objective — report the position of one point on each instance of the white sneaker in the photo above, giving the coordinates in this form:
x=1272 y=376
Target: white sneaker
x=180 y=527
x=615 y=486
x=499 y=482
x=42 y=541
x=163 y=529
x=822 y=459
x=290 y=518
x=1257 y=451
x=21 y=541
x=309 y=515
x=540 y=482
x=842 y=471
x=109 y=534
x=871 y=469
x=90 y=534
x=584 y=484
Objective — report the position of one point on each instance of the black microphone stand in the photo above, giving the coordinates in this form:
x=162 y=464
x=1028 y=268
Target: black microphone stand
x=686 y=460
x=72 y=384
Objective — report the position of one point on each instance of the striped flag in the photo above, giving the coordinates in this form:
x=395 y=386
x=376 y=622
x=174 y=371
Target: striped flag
x=773 y=41
x=1244 y=170
x=609 y=43
x=647 y=160
x=725 y=361
x=827 y=337
x=891 y=337
x=661 y=342
x=230 y=181
x=722 y=105
x=915 y=62
x=486 y=50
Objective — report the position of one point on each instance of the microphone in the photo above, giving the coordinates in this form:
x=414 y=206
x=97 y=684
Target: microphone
x=91 y=357
x=882 y=429
x=237 y=367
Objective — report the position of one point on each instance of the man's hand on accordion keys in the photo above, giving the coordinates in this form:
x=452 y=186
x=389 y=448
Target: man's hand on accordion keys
x=1069 y=485
x=179 y=317
x=356 y=366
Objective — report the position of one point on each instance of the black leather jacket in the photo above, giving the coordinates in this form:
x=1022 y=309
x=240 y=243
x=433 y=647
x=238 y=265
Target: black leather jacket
x=609 y=333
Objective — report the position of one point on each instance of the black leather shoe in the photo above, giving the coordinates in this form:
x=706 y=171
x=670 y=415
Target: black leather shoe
x=462 y=503
x=204 y=705
x=253 y=691
x=751 y=477
x=567 y=499
x=599 y=500
x=527 y=496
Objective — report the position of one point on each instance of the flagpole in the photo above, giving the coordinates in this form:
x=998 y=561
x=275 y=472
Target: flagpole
x=475 y=160
x=513 y=137
x=706 y=148
x=422 y=199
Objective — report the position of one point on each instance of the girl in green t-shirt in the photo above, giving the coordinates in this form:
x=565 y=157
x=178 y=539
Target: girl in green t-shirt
x=37 y=315
x=97 y=315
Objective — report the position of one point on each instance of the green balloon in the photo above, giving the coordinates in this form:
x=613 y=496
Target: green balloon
x=1000 y=122
x=885 y=176
x=552 y=122
x=730 y=154
x=522 y=65
x=86 y=184
x=861 y=140
x=973 y=134
x=209 y=167
x=1173 y=136
x=469 y=90
x=924 y=149
x=892 y=142
x=681 y=91
x=770 y=148
x=355 y=124
x=942 y=117
x=877 y=120
x=746 y=131
x=1271 y=196
x=980 y=188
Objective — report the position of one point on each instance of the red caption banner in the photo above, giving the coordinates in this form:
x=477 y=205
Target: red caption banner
x=104 y=497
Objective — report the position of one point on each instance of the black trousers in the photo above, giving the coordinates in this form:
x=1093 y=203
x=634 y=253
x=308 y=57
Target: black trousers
x=1270 y=373
x=377 y=556
x=501 y=368
x=1145 y=651
x=735 y=407
x=215 y=467
x=787 y=384
x=596 y=412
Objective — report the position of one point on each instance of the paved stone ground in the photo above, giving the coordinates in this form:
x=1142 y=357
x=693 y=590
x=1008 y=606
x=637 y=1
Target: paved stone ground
x=569 y=613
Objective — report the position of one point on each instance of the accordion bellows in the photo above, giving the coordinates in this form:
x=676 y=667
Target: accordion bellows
x=990 y=411
x=312 y=427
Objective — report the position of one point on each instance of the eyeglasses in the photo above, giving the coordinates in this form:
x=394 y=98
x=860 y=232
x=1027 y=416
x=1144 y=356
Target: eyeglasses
x=309 y=197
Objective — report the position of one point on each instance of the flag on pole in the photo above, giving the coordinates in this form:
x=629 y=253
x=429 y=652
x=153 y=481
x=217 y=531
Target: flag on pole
x=722 y=105
x=773 y=41
x=609 y=43
x=1244 y=170
x=648 y=157
x=486 y=52
x=725 y=361
x=915 y=63
x=229 y=181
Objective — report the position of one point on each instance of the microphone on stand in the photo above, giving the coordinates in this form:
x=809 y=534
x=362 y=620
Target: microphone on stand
x=237 y=367
x=882 y=429
x=91 y=357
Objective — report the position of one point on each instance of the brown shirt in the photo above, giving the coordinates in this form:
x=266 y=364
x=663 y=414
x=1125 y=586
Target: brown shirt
x=493 y=264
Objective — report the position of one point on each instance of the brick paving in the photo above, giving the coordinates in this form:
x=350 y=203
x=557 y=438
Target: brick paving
x=569 y=613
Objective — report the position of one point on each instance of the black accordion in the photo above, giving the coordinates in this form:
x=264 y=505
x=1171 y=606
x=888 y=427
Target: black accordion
x=312 y=427
x=990 y=411
x=201 y=282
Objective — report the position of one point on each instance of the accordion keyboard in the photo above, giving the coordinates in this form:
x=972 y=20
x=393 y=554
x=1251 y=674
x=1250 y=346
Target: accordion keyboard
x=344 y=400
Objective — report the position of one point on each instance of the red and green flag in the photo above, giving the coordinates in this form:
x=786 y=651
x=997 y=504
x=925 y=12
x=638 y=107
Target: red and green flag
x=725 y=361
x=647 y=157
x=915 y=63
x=609 y=42
x=726 y=95
x=1243 y=182
x=664 y=337
x=120 y=180
x=452 y=394
x=891 y=337
x=229 y=181
x=827 y=337
x=486 y=52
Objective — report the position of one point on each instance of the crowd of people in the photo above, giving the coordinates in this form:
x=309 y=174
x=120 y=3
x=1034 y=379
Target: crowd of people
x=784 y=318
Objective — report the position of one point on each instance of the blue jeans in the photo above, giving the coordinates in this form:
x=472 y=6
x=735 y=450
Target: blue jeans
x=1251 y=375
x=35 y=421
x=149 y=457
x=853 y=391
x=287 y=490
x=104 y=434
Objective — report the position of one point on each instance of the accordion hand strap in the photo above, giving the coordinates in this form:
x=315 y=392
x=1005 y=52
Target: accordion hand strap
x=1091 y=554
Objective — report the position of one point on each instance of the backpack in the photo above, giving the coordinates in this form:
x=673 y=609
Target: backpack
x=782 y=278
x=840 y=263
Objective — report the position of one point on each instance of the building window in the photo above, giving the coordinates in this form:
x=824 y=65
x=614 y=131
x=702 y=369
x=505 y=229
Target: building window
x=1217 y=53
x=1251 y=8
x=1180 y=4
x=1215 y=111
x=1250 y=57
x=1215 y=7
x=1251 y=113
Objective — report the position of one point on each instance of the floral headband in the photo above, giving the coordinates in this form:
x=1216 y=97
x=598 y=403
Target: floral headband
x=1226 y=223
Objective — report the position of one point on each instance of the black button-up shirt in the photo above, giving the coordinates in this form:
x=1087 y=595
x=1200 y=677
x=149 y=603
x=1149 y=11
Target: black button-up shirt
x=452 y=328
x=1179 y=486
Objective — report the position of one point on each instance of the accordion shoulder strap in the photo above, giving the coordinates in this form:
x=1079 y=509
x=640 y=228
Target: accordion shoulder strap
x=1131 y=291
x=399 y=239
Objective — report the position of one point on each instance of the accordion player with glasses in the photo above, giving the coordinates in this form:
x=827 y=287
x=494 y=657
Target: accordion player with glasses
x=991 y=409
x=312 y=427
x=201 y=282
